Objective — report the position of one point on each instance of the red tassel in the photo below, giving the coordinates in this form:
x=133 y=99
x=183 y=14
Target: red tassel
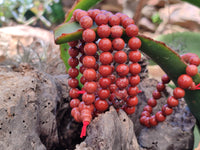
x=81 y=92
x=84 y=128
x=139 y=91
x=198 y=87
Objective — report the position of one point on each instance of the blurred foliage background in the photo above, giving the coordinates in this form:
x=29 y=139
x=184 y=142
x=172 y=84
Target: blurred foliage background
x=31 y=12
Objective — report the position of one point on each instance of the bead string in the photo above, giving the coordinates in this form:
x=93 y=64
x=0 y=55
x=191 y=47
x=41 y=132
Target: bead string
x=101 y=87
x=184 y=82
x=109 y=84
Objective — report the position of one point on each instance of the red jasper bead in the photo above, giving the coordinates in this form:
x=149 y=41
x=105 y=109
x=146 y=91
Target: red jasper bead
x=132 y=101
x=147 y=123
x=73 y=93
x=73 y=83
x=106 y=58
x=134 y=56
x=86 y=22
x=114 y=20
x=73 y=43
x=156 y=94
x=129 y=110
x=105 y=70
x=101 y=19
x=103 y=93
x=121 y=94
x=160 y=117
x=145 y=113
x=83 y=80
x=166 y=110
x=122 y=82
x=118 y=44
x=82 y=69
x=73 y=62
x=143 y=119
x=73 y=72
x=105 y=44
x=82 y=106
x=112 y=77
x=73 y=51
x=122 y=70
x=132 y=30
x=120 y=57
x=74 y=102
x=172 y=102
x=96 y=67
x=148 y=108
x=116 y=31
x=133 y=91
x=90 y=49
x=89 y=74
x=160 y=87
x=134 y=43
x=75 y=12
x=122 y=17
x=134 y=80
x=86 y=115
x=94 y=13
x=178 y=93
x=101 y=105
x=76 y=114
x=89 y=35
x=90 y=87
x=104 y=82
x=184 y=81
x=81 y=58
x=103 y=31
x=153 y=121
x=152 y=102
x=89 y=61
x=194 y=60
x=165 y=79
x=88 y=98
x=112 y=88
x=191 y=70
x=127 y=21
x=134 y=68
x=80 y=14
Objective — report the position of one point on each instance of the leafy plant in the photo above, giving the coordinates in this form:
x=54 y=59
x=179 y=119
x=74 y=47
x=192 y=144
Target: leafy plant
x=29 y=11
x=182 y=42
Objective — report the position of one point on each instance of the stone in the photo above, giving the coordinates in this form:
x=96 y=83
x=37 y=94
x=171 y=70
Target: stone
x=28 y=102
x=178 y=16
x=176 y=133
x=32 y=45
x=110 y=130
x=146 y=24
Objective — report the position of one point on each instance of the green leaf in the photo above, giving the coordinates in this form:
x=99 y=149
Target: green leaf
x=194 y=2
x=64 y=54
x=68 y=32
x=182 y=42
x=81 y=4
